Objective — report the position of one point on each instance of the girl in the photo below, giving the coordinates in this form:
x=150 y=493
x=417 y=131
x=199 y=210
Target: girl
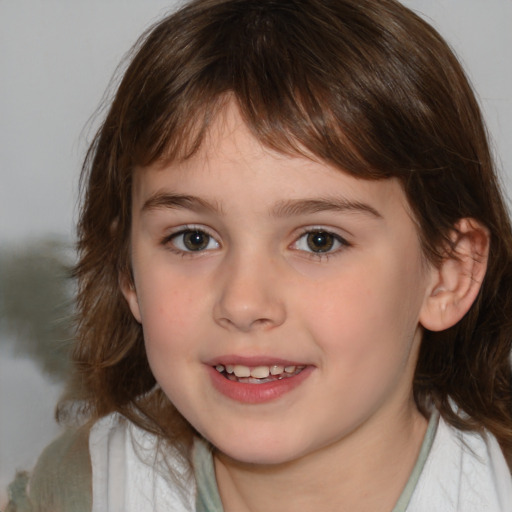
x=294 y=275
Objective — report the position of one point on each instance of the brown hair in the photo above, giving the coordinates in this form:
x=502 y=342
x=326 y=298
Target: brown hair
x=364 y=85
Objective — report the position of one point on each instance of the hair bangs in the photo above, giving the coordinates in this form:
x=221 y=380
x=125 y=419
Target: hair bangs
x=298 y=93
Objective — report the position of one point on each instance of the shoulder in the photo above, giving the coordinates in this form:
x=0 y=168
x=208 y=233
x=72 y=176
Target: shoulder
x=114 y=465
x=135 y=471
x=61 y=480
x=464 y=471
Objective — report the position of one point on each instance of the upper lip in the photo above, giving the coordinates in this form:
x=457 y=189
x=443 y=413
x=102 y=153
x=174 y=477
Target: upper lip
x=253 y=361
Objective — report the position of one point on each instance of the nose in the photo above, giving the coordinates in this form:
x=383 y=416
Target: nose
x=249 y=296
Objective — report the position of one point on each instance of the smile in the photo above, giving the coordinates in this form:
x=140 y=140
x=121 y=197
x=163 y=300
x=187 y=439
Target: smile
x=257 y=374
x=256 y=380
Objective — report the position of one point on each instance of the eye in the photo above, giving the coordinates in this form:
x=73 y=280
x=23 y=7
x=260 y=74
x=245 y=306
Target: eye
x=320 y=241
x=193 y=240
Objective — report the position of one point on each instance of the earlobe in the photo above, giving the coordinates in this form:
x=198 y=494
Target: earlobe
x=457 y=281
x=130 y=294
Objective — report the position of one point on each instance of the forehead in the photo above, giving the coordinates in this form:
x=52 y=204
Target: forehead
x=232 y=166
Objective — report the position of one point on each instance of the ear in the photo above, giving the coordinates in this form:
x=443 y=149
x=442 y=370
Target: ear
x=130 y=294
x=456 y=282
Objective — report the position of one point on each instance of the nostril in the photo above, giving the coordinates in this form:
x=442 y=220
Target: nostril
x=245 y=324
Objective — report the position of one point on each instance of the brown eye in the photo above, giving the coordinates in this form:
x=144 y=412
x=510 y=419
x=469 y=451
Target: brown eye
x=320 y=241
x=193 y=240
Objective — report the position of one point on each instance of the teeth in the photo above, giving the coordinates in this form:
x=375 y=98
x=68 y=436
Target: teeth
x=242 y=371
x=260 y=372
x=257 y=372
x=276 y=370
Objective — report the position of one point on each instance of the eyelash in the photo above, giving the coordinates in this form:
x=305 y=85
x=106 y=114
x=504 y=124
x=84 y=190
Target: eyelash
x=169 y=241
x=338 y=242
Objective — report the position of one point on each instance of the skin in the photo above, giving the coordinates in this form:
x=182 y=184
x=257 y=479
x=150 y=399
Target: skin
x=345 y=438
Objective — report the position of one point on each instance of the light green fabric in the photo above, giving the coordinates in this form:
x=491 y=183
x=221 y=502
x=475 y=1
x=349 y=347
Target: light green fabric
x=405 y=497
x=208 y=498
x=17 y=492
x=61 y=480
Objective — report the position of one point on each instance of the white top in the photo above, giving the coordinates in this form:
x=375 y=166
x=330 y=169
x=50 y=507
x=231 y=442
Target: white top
x=129 y=473
x=461 y=472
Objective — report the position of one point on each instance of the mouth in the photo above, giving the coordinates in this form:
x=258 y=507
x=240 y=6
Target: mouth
x=258 y=374
x=257 y=380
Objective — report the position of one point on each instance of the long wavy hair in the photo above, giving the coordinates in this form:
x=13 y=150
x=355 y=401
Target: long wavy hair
x=364 y=85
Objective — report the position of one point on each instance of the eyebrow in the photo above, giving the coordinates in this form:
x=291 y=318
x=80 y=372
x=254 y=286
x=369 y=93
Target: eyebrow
x=287 y=208
x=304 y=206
x=179 y=201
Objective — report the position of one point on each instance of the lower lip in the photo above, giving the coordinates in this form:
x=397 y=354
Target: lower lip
x=257 y=393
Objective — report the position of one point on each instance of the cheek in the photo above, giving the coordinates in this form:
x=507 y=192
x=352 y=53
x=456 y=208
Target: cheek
x=168 y=317
x=168 y=297
x=367 y=354
x=367 y=318
x=173 y=312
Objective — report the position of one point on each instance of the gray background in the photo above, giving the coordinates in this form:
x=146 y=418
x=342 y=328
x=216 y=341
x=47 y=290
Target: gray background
x=56 y=59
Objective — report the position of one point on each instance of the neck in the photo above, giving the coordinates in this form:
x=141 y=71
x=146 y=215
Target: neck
x=362 y=472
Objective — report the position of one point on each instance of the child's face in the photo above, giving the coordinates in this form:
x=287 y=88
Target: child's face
x=243 y=256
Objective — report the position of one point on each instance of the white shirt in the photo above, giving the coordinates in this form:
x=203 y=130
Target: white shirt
x=455 y=472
